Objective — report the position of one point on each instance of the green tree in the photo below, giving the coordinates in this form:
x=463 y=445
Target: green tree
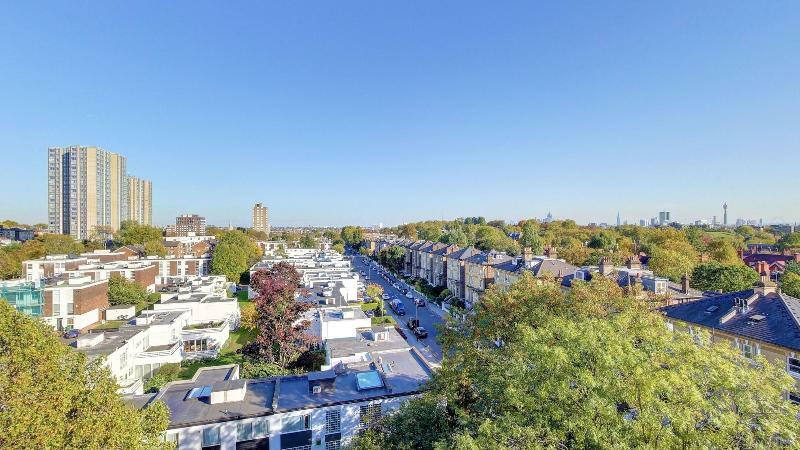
x=673 y=259
x=307 y=241
x=793 y=266
x=124 y=292
x=723 y=252
x=790 y=242
x=352 y=236
x=530 y=238
x=132 y=232
x=455 y=236
x=155 y=248
x=535 y=367
x=374 y=291
x=338 y=248
x=52 y=397
x=233 y=255
x=490 y=238
x=603 y=240
x=790 y=284
x=60 y=244
x=714 y=276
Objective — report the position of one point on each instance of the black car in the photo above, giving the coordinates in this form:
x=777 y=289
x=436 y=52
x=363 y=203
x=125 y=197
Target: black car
x=420 y=332
x=419 y=302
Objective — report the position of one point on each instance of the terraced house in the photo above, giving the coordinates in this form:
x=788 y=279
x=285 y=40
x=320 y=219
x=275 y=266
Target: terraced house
x=479 y=271
x=509 y=272
x=438 y=275
x=759 y=321
x=456 y=271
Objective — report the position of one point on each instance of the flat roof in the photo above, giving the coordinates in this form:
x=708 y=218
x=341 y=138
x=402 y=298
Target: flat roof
x=363 y=343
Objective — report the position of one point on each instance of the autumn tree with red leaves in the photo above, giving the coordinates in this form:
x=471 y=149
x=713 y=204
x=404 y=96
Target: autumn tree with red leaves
x=279 y=317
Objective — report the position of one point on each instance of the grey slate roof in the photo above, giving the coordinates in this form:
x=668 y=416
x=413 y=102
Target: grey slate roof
x=446 y=249
x=464 y=253
x=780 y=326
x=539 y=267
x=492 y=258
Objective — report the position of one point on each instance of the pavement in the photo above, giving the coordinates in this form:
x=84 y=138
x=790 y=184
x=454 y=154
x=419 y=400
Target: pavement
x=429 y=315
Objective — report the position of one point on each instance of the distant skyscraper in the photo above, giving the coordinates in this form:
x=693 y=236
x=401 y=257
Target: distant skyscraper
x=619 y=222
x=663 y=217
x=86 y=191
x=642 y=223
x=261 y=218
x=140 y=200
x=725 y=214
x=188 y=224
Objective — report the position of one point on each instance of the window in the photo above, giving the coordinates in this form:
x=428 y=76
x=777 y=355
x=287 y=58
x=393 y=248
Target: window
x=173 y=439
x=369 y=414
x=244 y=431
x=333 y=445
x=70 y=308
x=794 y=365
x=210 y=436
x=333 y=421
x=296 y=423
x=747 y=350
x=260 y=428
x=794 y=398
x=195 y=345
x=56 y=309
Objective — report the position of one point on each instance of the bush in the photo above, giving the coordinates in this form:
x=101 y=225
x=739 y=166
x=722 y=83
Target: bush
x=253 y=368
x=309 y=361
x=162 y=376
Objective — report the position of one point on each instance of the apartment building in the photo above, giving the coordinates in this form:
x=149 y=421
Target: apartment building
x=325 y=409
x=142 y=273
x=187 y=266
x=36 y=270
x=87 y=191
x=16 y=234
x=139 y=200
x=261 y=218
x=190 y=225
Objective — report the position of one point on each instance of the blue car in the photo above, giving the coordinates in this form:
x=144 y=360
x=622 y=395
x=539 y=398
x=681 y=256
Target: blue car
x=71 y=334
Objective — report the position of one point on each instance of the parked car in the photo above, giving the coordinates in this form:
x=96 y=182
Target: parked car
x=72 y=334
x=419 y=302
x=420 y=332
x=398 y=307
x=409 y=295
x=370 y=313
x=385 y=296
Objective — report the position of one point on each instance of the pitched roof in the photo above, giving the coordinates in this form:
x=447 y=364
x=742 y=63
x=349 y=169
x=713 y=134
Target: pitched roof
x=492 y=257
x=779 y=324
x=464 y=253
x=446 y=249
x=770 y=258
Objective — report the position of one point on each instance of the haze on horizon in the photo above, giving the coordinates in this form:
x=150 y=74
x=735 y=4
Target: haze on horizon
x=362 y=113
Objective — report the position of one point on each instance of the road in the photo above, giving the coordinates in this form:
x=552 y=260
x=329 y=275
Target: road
x=428 y=347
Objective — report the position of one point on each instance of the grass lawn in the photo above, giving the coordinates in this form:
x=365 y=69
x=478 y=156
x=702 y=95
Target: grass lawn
x=388 y=320
x=369 y=306
x=242 y=296
x=110 y=325
x=227 y=355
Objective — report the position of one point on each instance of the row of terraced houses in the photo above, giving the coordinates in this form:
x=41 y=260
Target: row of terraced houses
x=759 y=321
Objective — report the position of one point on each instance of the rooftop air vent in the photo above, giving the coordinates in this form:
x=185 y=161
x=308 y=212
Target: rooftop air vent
x=711 y=309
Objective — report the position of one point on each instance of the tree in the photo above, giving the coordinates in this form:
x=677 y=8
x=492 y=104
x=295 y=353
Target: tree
x=132 y=232
x=530 y=238
x=374 y=291
x=714 y=276
x=124 y=292
x=338 y=248
x=364 y=251
x=790 y=284
x=352 y=236
x=723 y=252
x=455 y=236
x=535 y=367
x=233 y=255
x=307 y=241
x=52 y=397
x=60 y=244
x=603 y=241
x=673 y=259
x=489 y=238
x=793 y=266
x=790 y=242
x=279 y=320
x=155 y=248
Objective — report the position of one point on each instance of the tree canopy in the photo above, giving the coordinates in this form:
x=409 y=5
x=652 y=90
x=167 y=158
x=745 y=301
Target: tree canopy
x=121 y=291
x=352 y=236
x=725 y=277
x=52 y=397
x=535 y=367
x=278 y=320
x=233 y=255
x=790 y=284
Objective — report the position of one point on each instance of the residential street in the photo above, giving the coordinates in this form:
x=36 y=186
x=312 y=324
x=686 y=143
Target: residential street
x=428 y=347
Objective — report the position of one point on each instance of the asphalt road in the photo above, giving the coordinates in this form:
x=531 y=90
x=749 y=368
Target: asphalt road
x=428 y=347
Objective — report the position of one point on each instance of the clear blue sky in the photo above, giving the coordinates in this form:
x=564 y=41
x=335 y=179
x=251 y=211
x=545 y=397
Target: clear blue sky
x=365 y=112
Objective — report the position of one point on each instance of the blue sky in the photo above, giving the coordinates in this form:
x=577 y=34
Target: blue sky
x=364 y=112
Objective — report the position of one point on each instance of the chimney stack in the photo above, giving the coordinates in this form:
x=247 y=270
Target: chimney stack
x=551 y=252
x=605 y=265
x=527 y=255
x=634 y=262
x=685 y=284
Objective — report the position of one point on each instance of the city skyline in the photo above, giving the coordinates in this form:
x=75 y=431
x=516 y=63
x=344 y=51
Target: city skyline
x=544 y=108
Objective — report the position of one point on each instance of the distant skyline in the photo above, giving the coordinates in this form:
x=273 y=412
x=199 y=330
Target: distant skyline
x=362 y=113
